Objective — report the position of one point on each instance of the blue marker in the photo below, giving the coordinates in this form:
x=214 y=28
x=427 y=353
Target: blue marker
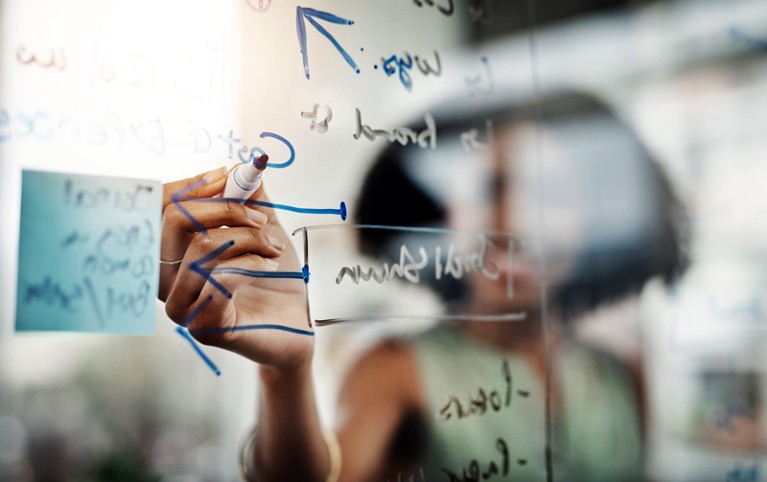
x=245 y=179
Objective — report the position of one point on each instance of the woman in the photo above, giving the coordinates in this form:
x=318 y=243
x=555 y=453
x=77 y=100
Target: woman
x=468 y=401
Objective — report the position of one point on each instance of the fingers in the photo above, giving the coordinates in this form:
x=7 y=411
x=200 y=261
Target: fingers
x=209 y=308
x=207 y=213
x=203 y=185
x=207 y=254
x=181 y=220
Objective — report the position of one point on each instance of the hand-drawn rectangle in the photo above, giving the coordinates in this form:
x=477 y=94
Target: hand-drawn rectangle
x=418 y=273
x=88 y=251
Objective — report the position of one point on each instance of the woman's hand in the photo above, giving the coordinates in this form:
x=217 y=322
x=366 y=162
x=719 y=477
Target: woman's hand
x=227 y=307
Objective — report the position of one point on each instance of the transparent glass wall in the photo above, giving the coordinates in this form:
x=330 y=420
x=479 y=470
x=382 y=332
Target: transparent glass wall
x=527 y=233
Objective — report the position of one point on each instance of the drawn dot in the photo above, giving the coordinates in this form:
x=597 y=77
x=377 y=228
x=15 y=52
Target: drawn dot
x=362 y=49
x=522 y=461
x=358 y=71
x=375 y=66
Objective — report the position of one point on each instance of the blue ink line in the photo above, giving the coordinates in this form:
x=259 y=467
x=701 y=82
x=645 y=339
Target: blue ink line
x=341 y=211
x=208 y=331
x=205 y=273
x=301 y=31
x=261 y=274
x=181 y=196
x=197 y=311
x=335 y=43
x=197 y=225
x=188 y=337
x=304 y=14
x=273 y=165
x=327 y=16
x=213 y=254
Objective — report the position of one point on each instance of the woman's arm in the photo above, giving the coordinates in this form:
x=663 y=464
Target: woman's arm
x=215 y=293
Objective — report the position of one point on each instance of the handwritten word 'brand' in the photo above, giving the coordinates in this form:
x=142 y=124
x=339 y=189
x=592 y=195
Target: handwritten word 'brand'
x=403 y=135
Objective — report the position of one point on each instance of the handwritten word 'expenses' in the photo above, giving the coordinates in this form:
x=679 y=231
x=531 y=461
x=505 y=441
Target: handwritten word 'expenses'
x=403 y=135
x=395 y=64
x=148 y=135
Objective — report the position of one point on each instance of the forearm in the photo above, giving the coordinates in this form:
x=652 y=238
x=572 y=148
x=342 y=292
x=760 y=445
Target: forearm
x=289 y=443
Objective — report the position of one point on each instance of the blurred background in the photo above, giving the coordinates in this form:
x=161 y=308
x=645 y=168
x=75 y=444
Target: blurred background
x=167 y=89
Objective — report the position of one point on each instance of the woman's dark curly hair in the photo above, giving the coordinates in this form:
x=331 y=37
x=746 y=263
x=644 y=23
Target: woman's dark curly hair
x=390 y=196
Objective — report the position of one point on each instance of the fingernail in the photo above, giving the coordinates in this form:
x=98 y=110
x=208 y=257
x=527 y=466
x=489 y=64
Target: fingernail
x=275 y=242
x=271 y=264
x=256 y=216
x=215 y=174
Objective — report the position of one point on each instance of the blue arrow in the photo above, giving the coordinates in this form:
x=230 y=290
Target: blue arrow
x=207 y=273
x=302 y=15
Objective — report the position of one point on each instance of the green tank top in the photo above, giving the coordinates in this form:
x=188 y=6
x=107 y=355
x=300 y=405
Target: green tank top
x=486 y=415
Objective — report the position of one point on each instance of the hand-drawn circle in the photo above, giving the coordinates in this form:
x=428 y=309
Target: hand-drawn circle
x=287 y=143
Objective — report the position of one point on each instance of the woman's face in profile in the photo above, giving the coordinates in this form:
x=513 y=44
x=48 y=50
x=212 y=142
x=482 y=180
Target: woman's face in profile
x=507 y=198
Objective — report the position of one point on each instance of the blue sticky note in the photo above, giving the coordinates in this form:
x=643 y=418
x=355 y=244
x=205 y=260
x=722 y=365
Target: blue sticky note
x=88 y=251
